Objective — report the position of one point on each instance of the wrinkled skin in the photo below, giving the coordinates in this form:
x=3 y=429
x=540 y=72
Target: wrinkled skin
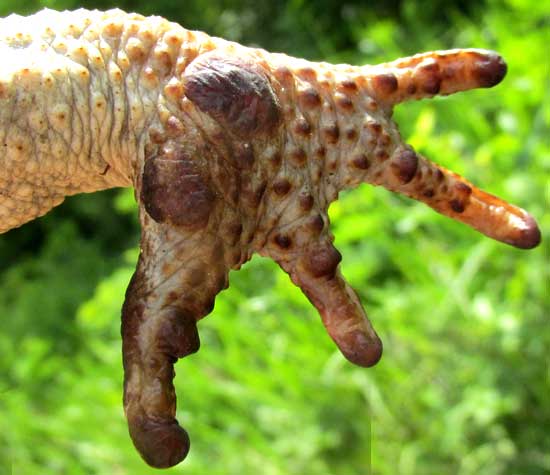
x=232 y=151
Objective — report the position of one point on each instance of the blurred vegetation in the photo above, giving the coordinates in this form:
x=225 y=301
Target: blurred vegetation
x=464 y=384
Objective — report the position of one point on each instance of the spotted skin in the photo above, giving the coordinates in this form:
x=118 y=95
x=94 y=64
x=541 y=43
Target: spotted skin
x=232 y=151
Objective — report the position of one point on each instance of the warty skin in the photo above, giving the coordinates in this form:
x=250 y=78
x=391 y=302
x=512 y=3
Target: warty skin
x=232 y=151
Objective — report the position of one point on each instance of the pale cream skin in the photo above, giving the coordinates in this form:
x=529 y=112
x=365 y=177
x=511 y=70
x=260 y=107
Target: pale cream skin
x=232 y=151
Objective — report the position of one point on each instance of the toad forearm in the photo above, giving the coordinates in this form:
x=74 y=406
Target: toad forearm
x=232 y=151
x=79 y=93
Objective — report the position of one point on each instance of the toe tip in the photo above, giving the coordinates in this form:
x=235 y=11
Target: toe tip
x=161 y=443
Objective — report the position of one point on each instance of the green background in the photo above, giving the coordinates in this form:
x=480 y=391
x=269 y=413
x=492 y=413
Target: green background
x=464 y=383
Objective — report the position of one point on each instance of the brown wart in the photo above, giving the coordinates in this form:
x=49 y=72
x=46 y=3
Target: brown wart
x=235 y=92
x=173 y=191
x=385 y=84
x=405 y=165
x=322 y=261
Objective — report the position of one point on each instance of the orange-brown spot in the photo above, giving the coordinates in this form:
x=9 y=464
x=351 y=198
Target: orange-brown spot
x=281 y=186
x=306 y=201
x=321 y=152
x=309 y=98
x=361 y=162
x=332 y=133
x=157 y=136
x=404 y=165
x=374 y=127
x=283 y=241
x=307 y=74
x=348 y=85
x=463 y=189
x=283 y=75
x=385 y=84
x=429 y=78
x=344 y=102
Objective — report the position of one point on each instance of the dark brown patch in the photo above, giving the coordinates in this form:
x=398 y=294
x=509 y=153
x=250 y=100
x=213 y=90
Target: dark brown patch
x=529 y=236
x=321 y=152
x=411 y=89
x=385 y=84
x=309 y=98
x=173 y=191
x=306 y=201
x=281 y=186
x=463 y=189
x=429 y=193
x=351 y=134
x=430 y=78
x=161 y=442
x=235 y=92
x=283 y=241
x=302 y=127
x=489 y=71
x=405 y=165
x=457 y=205
x=322 y=261
x=361 y=162
x=332 y=133
x=439 y=175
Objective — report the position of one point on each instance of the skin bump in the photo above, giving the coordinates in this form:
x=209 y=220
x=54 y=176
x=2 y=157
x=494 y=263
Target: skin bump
x=234 y=92
x=405 y=165
x=174 y=192
x=322 y=261
x=385 y=83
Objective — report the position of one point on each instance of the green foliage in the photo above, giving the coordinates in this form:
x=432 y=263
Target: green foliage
x=463 y=385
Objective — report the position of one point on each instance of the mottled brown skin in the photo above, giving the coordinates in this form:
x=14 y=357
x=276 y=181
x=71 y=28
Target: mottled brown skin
x=232 y=151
